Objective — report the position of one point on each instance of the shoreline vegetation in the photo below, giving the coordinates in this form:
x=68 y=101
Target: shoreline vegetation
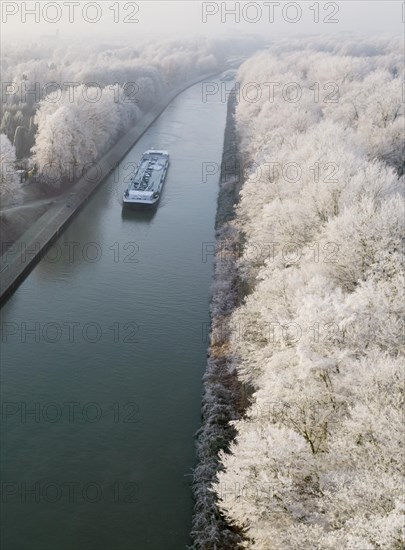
x=223 y=398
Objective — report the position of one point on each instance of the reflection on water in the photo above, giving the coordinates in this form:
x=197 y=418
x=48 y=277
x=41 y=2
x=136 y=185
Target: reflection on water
x=139 y=214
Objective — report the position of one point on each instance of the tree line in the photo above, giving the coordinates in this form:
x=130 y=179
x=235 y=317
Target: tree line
x=318 y=340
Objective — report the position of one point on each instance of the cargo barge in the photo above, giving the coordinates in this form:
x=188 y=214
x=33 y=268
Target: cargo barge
x=146 y=185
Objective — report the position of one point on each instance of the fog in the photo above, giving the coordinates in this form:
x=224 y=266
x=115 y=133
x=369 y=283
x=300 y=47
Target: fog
x=139 y=21
x=319 y=86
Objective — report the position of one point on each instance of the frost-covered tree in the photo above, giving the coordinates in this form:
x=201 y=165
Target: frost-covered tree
x=9 y=182
x=317 y=459
x=131 y=81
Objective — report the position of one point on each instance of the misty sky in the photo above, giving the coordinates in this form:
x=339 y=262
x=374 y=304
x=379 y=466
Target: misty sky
x=185 y=18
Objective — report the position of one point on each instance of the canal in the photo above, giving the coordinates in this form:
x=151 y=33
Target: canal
x=103 y=351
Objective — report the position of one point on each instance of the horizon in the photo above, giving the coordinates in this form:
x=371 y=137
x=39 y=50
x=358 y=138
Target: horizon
x=44 y=19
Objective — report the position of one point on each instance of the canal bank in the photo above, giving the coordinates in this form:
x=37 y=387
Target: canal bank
x=223 y=397
x=17 y=261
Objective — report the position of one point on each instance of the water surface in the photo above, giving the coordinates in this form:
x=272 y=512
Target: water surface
x=108 y=354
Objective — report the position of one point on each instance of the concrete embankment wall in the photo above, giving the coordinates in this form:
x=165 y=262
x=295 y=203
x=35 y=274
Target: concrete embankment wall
x=18 y=260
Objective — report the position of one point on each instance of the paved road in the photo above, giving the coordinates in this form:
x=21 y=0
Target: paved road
x=31 y=204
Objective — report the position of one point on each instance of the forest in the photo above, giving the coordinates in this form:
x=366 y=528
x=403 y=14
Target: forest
x=309 y=283
x=317 y=342
x=65 y=104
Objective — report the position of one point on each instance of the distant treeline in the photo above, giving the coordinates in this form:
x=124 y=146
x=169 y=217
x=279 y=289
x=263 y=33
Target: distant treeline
x=64 y=106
